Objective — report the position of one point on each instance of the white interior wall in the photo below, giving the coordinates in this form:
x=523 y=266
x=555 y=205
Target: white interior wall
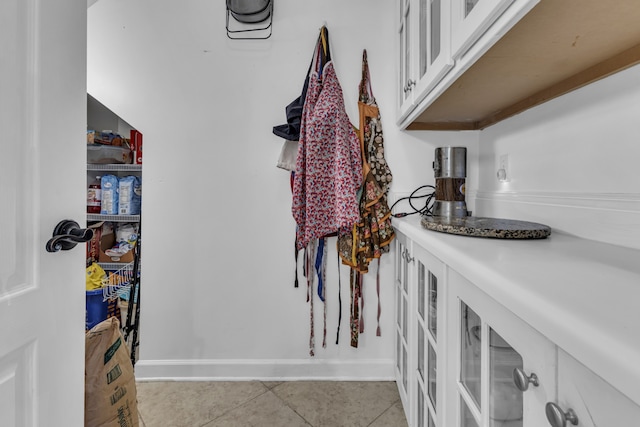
x=100 y=118
x=218 y=297
x=573 y=163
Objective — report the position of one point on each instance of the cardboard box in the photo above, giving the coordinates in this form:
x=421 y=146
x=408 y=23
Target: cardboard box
x=93 y=245
x=136 y=146
x=107 y=242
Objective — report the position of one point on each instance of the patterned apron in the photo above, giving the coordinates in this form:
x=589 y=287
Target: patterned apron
x=371 y=236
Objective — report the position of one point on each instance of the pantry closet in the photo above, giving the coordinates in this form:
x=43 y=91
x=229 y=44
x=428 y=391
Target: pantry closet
x=114 y=193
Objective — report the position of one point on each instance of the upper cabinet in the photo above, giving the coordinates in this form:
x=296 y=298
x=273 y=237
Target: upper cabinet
x=405 y=80
x=425 y=49
x=506 y=56
x=470 y=19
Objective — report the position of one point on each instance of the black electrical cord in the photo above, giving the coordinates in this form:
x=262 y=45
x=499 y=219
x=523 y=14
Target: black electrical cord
x=425 y=210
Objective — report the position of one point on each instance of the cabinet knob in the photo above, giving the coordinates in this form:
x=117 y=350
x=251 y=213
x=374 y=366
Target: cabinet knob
x=522 y=381
x=409 y=85
x=407 y=257
x=558 y=418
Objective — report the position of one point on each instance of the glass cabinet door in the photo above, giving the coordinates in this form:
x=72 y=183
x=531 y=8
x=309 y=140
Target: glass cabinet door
x=433 y=45
x=505 y=404
x=405 y=81
x=468 y=6
x=505 y=400
x=427 y=381
x=505 y=369
x=470 y=19
x=402 y=316
x=471 y=354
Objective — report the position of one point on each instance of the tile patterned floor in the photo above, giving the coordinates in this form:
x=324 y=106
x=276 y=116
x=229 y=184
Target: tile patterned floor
x=270 y=404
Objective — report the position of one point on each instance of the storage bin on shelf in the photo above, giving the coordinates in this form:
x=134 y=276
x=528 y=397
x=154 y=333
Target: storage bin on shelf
x=108 y=154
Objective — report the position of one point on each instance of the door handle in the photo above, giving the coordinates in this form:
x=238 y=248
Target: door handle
x=66 y=235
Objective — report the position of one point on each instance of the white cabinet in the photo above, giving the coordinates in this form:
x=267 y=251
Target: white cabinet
x=470 y=19
x=587 y=397
x=456 y=350
x=430 y=339
x=401 y=286
x=487 y=343
x=433 y=38
x=420 y=333
x=405 y=80
x=494 y=333
x=424 y=42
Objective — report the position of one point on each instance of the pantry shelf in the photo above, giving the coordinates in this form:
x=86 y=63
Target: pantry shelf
x=113 y=167
x=113 y=218
x=109 y=266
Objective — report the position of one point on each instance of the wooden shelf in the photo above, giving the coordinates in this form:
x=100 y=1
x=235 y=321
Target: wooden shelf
x=560 y=46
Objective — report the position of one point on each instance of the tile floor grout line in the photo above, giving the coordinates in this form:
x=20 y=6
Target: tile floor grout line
x=289 y=406
x=383 y=412
x=237 y=406
x=287 y=400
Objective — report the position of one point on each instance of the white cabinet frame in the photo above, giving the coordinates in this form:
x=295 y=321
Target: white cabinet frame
x=538 y=354
x=466 y=29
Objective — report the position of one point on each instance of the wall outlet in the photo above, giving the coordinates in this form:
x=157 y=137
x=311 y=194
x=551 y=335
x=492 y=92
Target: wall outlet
x=504 y=174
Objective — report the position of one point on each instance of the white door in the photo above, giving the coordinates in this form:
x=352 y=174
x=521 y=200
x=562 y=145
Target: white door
x=42 y=156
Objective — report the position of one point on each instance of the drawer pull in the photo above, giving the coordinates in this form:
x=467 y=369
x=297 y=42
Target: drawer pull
x=558 y=418
x=522 y=381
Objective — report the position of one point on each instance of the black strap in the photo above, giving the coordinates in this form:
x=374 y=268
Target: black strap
x=295 y=284
x=339 y=301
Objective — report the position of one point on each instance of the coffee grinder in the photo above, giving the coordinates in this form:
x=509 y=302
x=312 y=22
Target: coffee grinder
x=450 y=170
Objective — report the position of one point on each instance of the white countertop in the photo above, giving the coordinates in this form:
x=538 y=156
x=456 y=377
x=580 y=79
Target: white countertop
x=582 y=295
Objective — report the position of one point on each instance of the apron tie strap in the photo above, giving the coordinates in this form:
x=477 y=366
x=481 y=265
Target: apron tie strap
x=355 y=307
x=339 y=301
x=378 y=333
x=309 y=274
x=321 y=271
x=361 y=290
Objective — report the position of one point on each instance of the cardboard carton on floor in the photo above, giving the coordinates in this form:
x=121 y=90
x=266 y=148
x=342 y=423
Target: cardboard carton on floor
x=110 y=397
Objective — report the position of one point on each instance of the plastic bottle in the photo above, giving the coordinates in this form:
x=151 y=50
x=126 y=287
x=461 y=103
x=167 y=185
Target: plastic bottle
x=94 y=196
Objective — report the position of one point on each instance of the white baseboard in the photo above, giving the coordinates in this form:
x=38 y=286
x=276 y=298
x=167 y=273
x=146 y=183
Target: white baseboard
x=265 y=370
x=606 y=217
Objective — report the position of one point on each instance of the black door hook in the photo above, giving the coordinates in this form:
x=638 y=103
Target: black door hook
x=67 y=235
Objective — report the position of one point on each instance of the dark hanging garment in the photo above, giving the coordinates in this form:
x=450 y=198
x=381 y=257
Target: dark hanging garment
x=293 y=112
